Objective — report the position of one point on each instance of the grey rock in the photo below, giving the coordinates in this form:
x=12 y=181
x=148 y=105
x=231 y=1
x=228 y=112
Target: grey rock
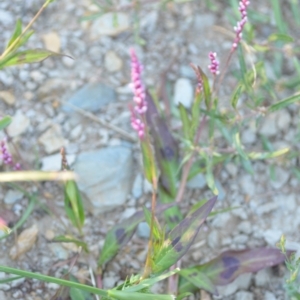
x=13 y=196
x=112 y=62
x=272 y=236
x=128 y=212
x=240 y=239
x=213 y=239
x=105 y=176
x=137 y=188
x=107 y=25
x=266 y=208
x=183 y=92
x=283 y=120
x=109 y=281
x=245 y=227
x=148 y=22
x=242 y=295
x=2 y=296
x=248 y=136
x=6 y=18
x=247 y=184
x=19 y=124
x=269 y=296
x=268 y=127
x=76 y=132
x=281 y=178
x=6 y=77
x=197 y=182
x=59 y=251
x=232 y=169
x=92 y=97
x=202 y=21
x=262 y=278
x=143 y=230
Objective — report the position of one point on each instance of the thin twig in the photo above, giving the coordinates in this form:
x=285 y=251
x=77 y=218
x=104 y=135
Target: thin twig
x=101 y=122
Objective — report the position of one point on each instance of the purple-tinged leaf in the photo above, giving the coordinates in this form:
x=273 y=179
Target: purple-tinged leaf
x=166 y=150
x=230 y=264
x=119 y=235
x=180 y=239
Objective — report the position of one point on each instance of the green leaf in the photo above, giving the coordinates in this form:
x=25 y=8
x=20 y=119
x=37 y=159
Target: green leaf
x=238 y=145
x=77 y=294
x=246 y=163
x=51 y=279
x=27 y=56
x=66 y=239
x=73 y=204
x=119 y=235
x=209 y=175
x=16 y=34
x=284 y=103
x=196 y=114
x=267 y=155
x=186 y=124
x=181 y=238
x=206 y=90
x=229 y=265
x=157 y=231
x=5 y=121
x=235 y=97
x=200 y=280
x=149 y=164
x=280 y=37
x=123 y=295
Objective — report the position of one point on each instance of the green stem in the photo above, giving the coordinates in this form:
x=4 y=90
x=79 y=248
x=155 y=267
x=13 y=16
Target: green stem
x=59 y=281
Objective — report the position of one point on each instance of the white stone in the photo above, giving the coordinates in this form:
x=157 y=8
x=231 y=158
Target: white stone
x=245 y=227
x=112 y=62
x=8 y=97
x=106 y=25
x=6 y=18
x=272 y=236
x=213 y=239
x=52 y=139
x=262 y=278
x=19 y=124
x=53 y=162
x=76 y=132
x=52 y=41
x=183 y=92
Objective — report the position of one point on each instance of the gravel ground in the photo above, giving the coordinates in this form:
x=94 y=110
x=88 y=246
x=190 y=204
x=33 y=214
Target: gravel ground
x=37 y=97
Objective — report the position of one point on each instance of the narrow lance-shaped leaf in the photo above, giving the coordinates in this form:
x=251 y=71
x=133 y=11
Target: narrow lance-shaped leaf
x=235 y=97
x=186 y=124
x=206 y=89
x=119 y=235
x=66 y=239
x=73 y=204
x=149 y=164
x=180 y=239
x=283 y=103
x=17 y=33
x=157 y=231
x=166 y=152
x=274 y=37
x=5 y=121
x=230 y=264
x=27 y=56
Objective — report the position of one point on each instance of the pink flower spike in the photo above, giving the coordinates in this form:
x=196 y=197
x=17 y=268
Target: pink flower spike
x=214 y=63
x=7 y=157
x=243 y=4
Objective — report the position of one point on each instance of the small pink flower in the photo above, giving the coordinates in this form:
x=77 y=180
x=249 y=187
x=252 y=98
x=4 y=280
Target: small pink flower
x=137 y=114
x=7 y=157
x=214 y=63
x=243 y=4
